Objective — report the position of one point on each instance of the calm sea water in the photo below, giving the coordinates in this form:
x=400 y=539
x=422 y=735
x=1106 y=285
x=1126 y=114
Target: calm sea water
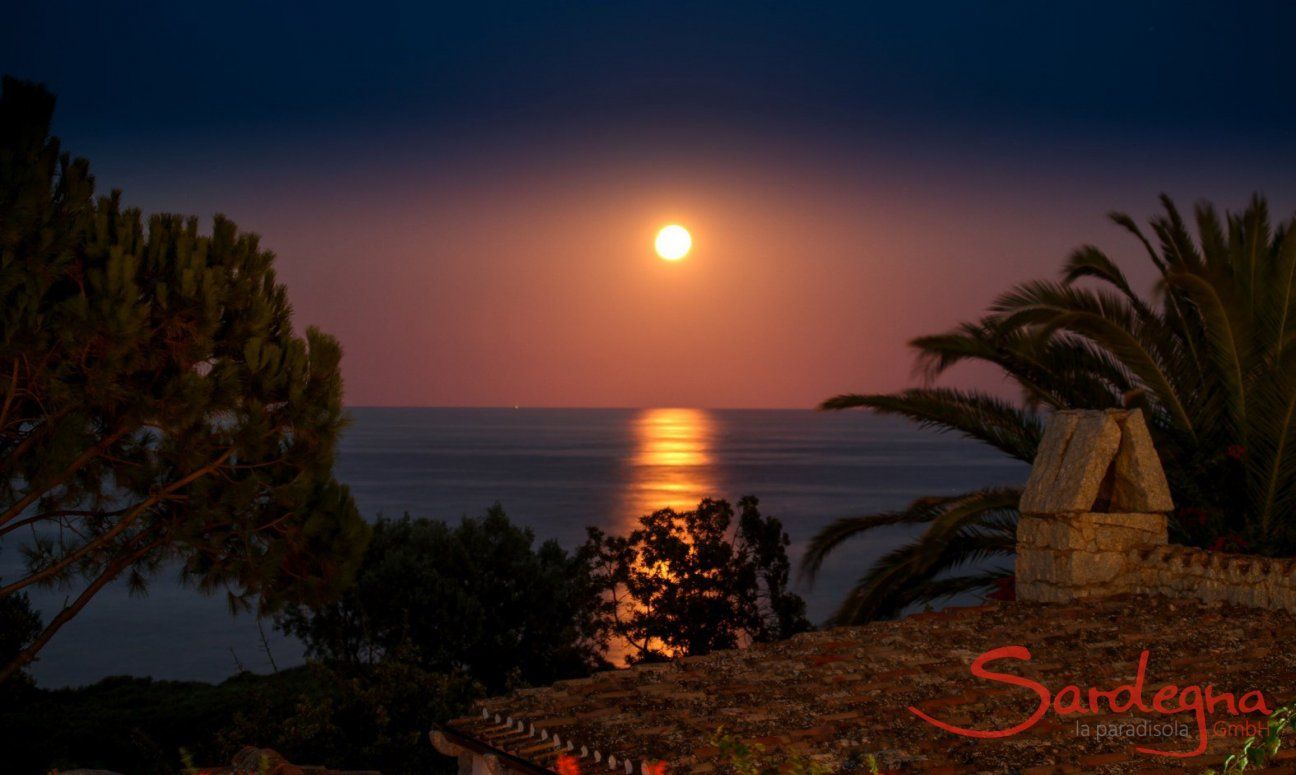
x=555 y=470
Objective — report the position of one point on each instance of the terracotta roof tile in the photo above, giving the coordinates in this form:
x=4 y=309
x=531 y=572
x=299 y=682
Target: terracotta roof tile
x=842 y=694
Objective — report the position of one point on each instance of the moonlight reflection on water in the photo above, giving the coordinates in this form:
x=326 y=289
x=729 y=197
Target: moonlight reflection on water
x=672 y=466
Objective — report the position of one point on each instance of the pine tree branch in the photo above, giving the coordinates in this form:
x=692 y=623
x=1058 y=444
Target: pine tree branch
x=53 y=570
x=58 y=514
x=82 y=461
x=28 y=654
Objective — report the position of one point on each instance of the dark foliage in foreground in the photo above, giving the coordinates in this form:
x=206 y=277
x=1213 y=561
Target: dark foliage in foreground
x=19 y=626
x=477 y=598
x=1210 y=358
x=373 y=717
x=363 y=718
x=439 y=615
x=691 y=582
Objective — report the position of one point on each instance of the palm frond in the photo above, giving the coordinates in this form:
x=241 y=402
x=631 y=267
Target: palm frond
x=1177 y=245
x=1126 y=222
x=1140 y=342
x=994 y=421
x=1271 y=444
x=1210 y=356
x=1052 y=371
x=841 y=530
x=1249 y=239
x=1226 y=337
x=1089 y=261
x=960 y=529
x=1277 y=314
x=896 y=580
x=1210 y=233
x=946 y=587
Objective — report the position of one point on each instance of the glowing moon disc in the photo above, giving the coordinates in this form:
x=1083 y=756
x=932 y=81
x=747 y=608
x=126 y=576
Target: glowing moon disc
x=673 y=242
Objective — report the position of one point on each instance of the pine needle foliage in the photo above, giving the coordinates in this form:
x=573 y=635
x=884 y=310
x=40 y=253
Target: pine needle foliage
x=156 y=405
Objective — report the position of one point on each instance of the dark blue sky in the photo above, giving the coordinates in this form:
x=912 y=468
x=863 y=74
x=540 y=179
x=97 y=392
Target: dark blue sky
x=466 y=194
x=1169 y=70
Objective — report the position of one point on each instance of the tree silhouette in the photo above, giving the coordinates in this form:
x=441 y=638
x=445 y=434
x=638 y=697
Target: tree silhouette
x=155 y=403
x=477 y=599
x=691 y=582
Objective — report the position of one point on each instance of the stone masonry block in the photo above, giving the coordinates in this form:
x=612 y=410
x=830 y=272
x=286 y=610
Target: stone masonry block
x=1072 y=462
x=1085 y=554
x=1048 y=461
x=1090 y=531
x=1139 y=482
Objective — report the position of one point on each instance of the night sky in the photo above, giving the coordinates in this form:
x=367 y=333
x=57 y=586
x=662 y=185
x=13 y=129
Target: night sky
x=466 y=195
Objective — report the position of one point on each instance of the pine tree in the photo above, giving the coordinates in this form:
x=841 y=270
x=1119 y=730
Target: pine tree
x=156 y=406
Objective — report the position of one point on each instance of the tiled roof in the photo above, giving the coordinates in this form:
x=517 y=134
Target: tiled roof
x=843 y=694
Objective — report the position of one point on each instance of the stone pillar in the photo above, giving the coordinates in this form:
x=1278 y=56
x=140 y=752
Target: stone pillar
x=1096 y=494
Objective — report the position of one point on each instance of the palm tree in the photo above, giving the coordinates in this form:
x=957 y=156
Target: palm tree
x=1210 y=357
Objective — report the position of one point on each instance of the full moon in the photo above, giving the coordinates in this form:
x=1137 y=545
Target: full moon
x=673 y=242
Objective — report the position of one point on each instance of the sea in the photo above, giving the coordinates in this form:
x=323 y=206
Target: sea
x=555 y=471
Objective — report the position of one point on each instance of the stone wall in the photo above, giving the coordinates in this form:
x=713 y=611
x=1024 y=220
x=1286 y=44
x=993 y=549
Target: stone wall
x=1093 y=523
x=1183 y=571
x=1065 y=557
